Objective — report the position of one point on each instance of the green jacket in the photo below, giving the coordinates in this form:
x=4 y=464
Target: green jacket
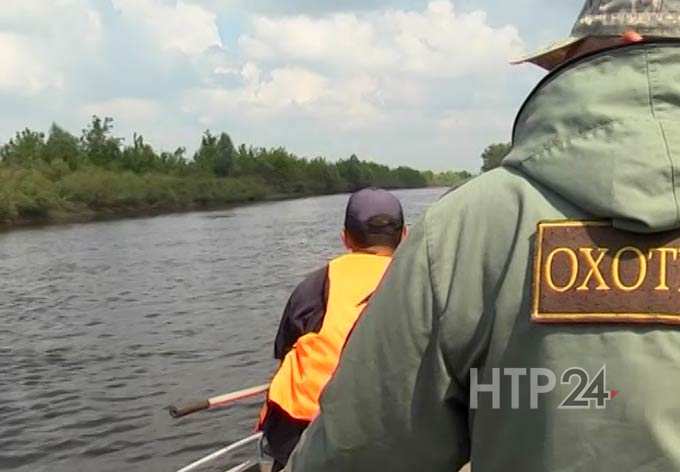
x=599 y=138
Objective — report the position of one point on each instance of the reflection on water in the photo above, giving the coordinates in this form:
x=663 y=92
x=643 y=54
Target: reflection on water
x=105 y=324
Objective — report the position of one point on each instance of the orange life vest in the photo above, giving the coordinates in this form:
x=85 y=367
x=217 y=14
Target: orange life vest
x=311 y=363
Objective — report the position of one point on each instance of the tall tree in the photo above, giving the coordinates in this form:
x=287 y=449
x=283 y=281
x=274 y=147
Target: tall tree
x=25 y=148
x=140 y=157
x=351 y=171
x=494 y=154
x=216 y=155
x=98 y=143
x=62 y=145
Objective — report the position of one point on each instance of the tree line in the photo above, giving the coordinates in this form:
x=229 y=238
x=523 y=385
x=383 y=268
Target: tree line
x=58 y=174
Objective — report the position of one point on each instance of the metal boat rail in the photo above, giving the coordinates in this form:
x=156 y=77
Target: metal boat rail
x=259 y=464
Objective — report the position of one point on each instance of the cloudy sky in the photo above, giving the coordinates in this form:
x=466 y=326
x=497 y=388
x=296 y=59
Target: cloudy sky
x=422 y=83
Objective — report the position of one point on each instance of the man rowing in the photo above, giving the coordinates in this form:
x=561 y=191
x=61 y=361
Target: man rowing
x=321 y=313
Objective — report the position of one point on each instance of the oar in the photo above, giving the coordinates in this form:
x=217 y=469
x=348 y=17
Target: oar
x=217 y=402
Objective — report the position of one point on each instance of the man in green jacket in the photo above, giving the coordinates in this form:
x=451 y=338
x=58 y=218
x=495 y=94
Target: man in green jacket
x=532 y=320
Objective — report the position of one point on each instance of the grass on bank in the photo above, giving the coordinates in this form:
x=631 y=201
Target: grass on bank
x=31 y=194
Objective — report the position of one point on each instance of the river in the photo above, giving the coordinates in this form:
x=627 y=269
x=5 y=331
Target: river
x=106 y=324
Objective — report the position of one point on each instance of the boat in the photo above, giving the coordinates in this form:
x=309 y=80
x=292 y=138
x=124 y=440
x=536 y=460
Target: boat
x=259 y=462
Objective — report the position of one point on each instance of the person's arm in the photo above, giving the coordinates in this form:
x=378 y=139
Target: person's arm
x=393 y=404
x=304 y=312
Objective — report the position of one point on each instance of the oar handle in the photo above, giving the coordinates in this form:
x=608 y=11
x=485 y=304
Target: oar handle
x=189 y=408
x=217 y=402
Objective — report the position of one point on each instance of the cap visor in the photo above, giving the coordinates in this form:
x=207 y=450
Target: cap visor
x=549 y=57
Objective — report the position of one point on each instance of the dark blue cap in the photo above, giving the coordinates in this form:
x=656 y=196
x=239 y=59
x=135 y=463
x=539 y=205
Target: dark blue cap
x=373 y=211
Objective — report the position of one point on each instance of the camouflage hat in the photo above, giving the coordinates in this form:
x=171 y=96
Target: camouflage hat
x=606 y=18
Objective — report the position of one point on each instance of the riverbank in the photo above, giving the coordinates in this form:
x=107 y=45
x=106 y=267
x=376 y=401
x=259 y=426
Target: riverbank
x=28 y=198
x=36 y=196
x=59 y=178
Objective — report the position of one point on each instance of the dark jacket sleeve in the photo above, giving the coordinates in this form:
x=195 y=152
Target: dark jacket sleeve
x=304 y=312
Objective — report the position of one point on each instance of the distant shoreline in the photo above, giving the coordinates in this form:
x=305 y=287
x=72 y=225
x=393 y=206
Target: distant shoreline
x=87 y=215
x=58 y=178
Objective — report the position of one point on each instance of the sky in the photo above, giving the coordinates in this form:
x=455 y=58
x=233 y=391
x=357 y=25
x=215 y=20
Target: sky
x=402 y=82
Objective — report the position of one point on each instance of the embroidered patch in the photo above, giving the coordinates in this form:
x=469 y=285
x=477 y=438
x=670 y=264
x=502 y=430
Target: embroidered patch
x=590 y=272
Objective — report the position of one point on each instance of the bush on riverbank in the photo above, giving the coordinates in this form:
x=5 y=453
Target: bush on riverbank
x=29 y=194
x=60 y=176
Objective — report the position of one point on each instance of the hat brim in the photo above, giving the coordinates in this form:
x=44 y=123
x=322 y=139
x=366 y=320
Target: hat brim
x=551 y=56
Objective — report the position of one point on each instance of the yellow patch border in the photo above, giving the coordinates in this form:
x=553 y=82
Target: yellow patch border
x=581 y=318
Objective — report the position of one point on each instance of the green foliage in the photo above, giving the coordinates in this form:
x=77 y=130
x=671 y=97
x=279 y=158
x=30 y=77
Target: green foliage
x=410 y=178
x=354 y=173
x=98 y=144
x=99 y=189
x=25 y=149
x=62 y=146
x=26 y=193
x=447 y=179
x=216 y=155
x=43 y=177
x=324 y=177
x=174 y=161
x=494 y=154
x=140 y=157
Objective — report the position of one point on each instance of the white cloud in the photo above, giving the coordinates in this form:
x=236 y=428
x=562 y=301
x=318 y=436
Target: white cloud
x=21 y=73
x=442 y=43
x=315 y=7
x=281 y=90
x=290 y=86
x=349 y=72
x=341 y=39
x=288 y=91
x=180 y=26
x=63 y=21
x=136 y=110
x=437 y=42
x=40 y=40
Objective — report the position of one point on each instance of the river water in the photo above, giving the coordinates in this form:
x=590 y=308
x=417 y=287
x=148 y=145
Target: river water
x=103 y=325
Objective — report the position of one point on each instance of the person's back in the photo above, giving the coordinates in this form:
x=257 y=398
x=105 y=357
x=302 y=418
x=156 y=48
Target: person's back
x=529 y=321
x=305 y=370
x=321 y=314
